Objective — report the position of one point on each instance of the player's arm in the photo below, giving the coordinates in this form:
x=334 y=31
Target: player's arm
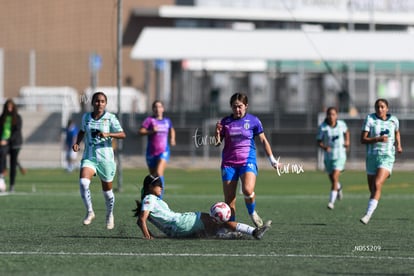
x=372 y=140
x=79 y=138
x=398 y=141
x=145 y=131
x=117 y=135
x=172 y=136
x=320 y=138
x=217 y=135
x=142 y=223
x=347 y=139
x=268 y=150
x=322 y=145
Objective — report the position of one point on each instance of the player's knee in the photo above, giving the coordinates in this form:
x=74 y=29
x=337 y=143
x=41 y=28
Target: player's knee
x=251 y=196
x=84 y=183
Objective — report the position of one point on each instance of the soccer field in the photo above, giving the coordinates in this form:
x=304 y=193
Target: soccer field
x=42 y=231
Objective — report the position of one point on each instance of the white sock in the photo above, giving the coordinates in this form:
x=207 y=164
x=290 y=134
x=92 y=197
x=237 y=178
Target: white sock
x=372 y=205
x=244 y=228
x=85 y=193
x=339 y=186
x=109 y=200
x=333 y=196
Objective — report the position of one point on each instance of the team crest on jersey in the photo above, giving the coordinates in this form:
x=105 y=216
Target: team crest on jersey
x=246 y=125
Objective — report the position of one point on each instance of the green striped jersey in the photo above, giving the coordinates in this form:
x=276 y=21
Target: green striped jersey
x=377 y=127
x=97 y=148
x=334 y=138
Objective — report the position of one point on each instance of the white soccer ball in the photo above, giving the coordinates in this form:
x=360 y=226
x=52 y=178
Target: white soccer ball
x=2 y=185
x=220 y=212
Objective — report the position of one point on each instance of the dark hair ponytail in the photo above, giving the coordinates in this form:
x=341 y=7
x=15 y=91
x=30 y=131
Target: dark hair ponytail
x=137 y=210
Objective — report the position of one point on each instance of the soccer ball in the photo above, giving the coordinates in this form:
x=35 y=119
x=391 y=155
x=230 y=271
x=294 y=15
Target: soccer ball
x=2 y=185
x=220 y=212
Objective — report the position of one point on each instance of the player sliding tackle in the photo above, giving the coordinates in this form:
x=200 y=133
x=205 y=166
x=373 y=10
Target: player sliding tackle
x=188 y=224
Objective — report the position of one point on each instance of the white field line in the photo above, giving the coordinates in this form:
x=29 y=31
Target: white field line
x=121 y=254
x=350 y=196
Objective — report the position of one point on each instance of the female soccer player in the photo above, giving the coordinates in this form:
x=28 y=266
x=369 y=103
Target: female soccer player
x=158 y=128
x=11 y=140
x=381 y=134
x=180 y=225
x=99 y=127
x=239 y=154
x=333 y=139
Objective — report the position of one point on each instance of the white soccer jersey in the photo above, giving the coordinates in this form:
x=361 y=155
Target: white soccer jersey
x=334 y=138
x=378 y=127
x=160 y=214
x=171 y=223
x=98 y=148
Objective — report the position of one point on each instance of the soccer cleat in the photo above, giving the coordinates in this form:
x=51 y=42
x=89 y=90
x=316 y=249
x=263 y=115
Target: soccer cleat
x=89 y=217
x=110 y=221
x=257 y=220
x=228 y=235
x=340 y=195
x=331 y=206
x=260 y=231
x=365 y=219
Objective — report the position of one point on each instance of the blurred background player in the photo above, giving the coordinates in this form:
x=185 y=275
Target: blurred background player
x=238 y=132
x=99 y=127
x=333 y=139
x=179 y=225
x=381 y=135
x=71 y=132
x=159 y=129
x=11 y=141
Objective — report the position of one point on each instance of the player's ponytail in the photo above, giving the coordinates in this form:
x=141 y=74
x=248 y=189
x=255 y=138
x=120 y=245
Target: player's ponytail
x=138 y=209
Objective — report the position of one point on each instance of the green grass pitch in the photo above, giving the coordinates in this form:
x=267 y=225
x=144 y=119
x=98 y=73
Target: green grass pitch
x=42 y=232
